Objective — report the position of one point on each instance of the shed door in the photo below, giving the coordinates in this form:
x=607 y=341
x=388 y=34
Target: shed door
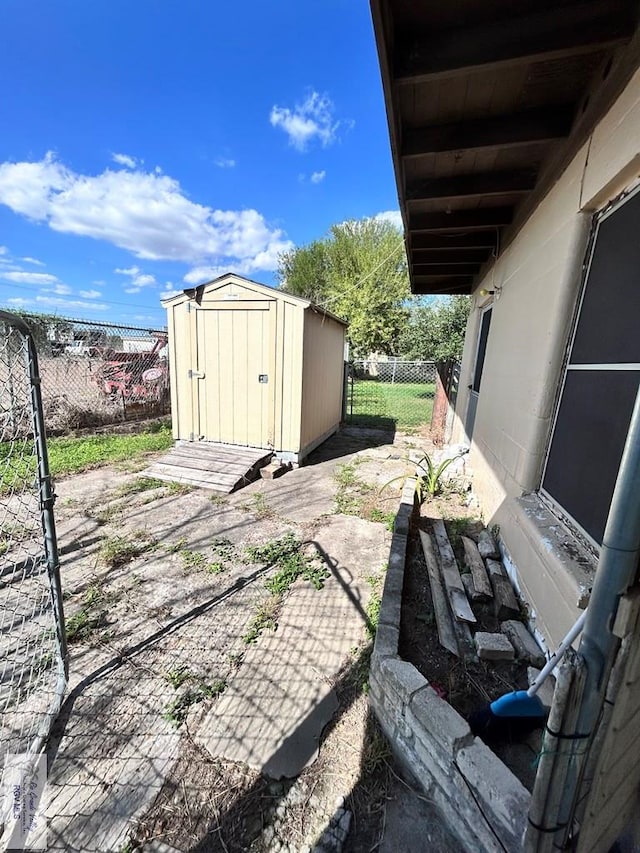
x=234 y=389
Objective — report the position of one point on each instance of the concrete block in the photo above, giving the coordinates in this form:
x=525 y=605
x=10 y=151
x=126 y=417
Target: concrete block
x=274 y=469
x=495 y=787
x=526 y=647
x=402 y=520
x=493 y=646
x=487 y=545
x=402 y=678
x=390 y=611
x=394 y=581
x=386 y=642
x=398 y=551
x=438 y=719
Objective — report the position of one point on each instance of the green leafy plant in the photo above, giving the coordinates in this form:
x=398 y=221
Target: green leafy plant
x=429 y=481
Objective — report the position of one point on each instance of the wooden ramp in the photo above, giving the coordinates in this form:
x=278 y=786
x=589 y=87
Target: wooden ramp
x=220 y=467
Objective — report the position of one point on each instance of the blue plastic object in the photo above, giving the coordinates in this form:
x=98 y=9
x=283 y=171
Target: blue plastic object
x=518 y=704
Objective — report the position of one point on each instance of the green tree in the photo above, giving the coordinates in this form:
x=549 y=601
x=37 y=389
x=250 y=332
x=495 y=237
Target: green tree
x=436 y=332
x=359 y=272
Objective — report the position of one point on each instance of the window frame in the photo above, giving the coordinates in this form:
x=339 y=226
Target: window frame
x=557 y=508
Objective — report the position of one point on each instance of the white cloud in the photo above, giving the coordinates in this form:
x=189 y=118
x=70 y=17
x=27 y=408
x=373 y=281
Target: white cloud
x=146 y=213
x=124 y=160
x=169 y=290
x=70 y=304
x=3 y=250
x=59 y=290
x=392 y=216
x=22 y=277
x=19 y=301
x=225 y=163
x=318 y=177
x=90 y=294
x=312 y=119
x=34 y=261
x=138 y=279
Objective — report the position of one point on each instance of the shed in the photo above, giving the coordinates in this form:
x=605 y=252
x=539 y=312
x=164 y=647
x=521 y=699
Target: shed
x=255 y=367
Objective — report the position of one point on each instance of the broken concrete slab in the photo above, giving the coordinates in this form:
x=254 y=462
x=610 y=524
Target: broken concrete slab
x=493 y=646
x=474 y=561
x=487 y=545
x=276 y=706
x=505 y=601
x=522 y=641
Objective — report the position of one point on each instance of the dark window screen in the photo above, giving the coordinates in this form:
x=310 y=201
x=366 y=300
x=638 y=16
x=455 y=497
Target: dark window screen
x=482 y=349
x=596 y=404
x=607 y=330
x=588 y=440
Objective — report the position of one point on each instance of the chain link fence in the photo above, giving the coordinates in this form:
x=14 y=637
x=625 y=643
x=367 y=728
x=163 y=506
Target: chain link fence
x=95 y=374
x=390 y=394
x=32 y=642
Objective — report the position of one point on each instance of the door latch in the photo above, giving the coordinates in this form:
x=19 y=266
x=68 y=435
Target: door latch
x=194 y=374
x=263 y=378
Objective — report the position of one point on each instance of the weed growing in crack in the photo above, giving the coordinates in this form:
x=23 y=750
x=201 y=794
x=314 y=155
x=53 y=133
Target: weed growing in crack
x=176 y=547
x=91 y=616
x=119 y=550
x=258 y=506
x=265 y=618
x=289 y=560
x=177 y=710
x=192 y=560
x=139 y=484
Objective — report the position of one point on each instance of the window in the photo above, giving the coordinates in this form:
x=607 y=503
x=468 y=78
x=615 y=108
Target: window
x=602 y=375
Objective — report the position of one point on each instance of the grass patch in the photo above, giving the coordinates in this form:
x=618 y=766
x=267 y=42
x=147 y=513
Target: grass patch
x=258 y=506
x=223 y=550
x=71 y=455
x=139 y=484
x=387 y=518
x=286 y=555
x=119 y=550
x=91 y=616
x=265 y=618
x=405 y=405
x=177 y=710
x=374 y=604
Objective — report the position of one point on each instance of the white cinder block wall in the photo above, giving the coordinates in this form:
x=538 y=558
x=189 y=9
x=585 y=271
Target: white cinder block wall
x=539 y=274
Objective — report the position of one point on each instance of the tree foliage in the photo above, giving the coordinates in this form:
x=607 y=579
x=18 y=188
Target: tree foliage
x=359 y=272
x=436 y=332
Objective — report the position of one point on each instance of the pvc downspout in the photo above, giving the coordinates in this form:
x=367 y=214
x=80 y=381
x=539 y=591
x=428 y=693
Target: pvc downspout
x=616 y=571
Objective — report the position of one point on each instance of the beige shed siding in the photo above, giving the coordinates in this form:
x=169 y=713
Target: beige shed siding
x=288 y=397
x=178 y=325
x=231 y=332
x=322 y=376
x=539 y=273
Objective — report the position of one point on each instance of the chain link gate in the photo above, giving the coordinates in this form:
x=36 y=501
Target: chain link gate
x=33 y=656
x=390 y=394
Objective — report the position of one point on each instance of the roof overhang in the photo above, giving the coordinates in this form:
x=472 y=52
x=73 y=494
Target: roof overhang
x=485 y=102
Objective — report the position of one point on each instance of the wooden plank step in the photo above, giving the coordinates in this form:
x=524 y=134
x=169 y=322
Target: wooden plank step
x=182 y=474
x=451 y=575
x=479 y=574
x=249 y=453
x=205 y=463
x=201 y=484
x=444 y=620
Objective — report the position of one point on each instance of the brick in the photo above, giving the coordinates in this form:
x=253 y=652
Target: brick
x=493 y=646
x=273 y=469
x=438 y=719
x=496 y=788
x=398 y=551
x=402 y=678
x=526 y=647
x=386 y=642
x=394 y=581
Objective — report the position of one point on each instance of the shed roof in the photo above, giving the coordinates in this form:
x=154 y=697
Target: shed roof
x=485 y=102
x=195 y=293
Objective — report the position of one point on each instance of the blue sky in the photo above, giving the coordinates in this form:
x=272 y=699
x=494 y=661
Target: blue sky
x=151 y=145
